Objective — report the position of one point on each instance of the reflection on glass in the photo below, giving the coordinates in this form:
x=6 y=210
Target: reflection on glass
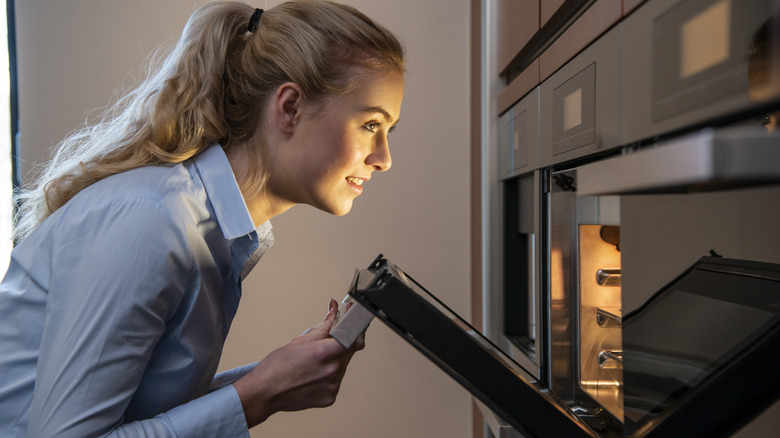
x=705 y=39
x=671 y=364
x=762 y=85
x=572 y=109
x=681 y=337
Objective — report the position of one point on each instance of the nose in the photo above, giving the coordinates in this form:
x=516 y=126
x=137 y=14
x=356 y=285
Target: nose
x=380 y=158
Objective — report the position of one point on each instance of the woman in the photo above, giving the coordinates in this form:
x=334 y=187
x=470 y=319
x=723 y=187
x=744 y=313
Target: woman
x=134 y=241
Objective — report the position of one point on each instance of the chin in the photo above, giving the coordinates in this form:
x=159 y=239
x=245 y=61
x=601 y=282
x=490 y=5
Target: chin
x=336 y=210
x=342 y=212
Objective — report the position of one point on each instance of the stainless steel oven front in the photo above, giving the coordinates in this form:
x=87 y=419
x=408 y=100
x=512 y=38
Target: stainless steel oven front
x=653 y=149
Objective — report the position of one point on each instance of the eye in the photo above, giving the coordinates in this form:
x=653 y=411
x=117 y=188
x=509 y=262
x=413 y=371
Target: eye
x=371 y=126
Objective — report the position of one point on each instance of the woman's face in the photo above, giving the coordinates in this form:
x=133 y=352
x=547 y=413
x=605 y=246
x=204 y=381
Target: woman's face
x=335 y=147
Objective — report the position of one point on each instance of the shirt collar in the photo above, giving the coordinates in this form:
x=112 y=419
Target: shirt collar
x=220 y=183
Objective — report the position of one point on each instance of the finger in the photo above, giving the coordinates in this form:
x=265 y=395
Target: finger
x=327 y=323
x=333 y=306
x=332 y=315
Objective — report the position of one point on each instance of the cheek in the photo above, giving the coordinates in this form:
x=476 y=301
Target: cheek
x=354 y=156
x=332 y=157
x=325 y=165
x=345 y=155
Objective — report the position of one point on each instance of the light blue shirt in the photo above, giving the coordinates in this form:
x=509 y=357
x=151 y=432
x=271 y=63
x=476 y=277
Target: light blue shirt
x=114 y=311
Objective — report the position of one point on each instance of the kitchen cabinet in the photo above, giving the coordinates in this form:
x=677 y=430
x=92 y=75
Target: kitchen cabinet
x=594 y=21
x=518 y=21
x=630 y=5
x=522 y=84
x=547 y=9
x=536 y=37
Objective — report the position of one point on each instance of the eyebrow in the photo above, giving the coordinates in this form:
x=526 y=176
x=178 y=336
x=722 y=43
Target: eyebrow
x=379 y=110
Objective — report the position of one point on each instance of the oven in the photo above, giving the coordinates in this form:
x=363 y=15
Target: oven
x=632 y=251
x=657 y=171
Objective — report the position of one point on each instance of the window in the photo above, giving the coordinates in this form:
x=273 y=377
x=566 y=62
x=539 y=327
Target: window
x=7 y=131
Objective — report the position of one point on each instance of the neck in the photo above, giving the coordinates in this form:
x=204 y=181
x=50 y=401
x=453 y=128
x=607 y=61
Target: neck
x=263 y=209
x=261 y=203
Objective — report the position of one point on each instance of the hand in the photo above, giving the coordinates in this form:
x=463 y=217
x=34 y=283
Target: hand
x=306 y=373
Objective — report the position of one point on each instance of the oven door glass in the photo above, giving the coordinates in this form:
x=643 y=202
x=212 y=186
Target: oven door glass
x=703 y=340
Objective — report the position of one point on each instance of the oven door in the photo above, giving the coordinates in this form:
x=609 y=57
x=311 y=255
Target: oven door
x=748 y=351
x=710 y=334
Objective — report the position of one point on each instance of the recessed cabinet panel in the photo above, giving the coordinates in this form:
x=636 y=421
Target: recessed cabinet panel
x=579 y=105
x=519 y=137
x=574 y=108
x=700 y=60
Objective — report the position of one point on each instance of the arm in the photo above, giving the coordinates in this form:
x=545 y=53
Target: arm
x=117 y=276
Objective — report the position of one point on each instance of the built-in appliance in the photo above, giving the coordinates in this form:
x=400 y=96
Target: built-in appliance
x=653 y=147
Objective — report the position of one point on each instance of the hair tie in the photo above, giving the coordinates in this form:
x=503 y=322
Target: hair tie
x=254 y=22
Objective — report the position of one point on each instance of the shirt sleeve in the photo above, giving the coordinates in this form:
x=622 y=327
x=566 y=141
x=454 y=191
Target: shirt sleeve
x=230 y=376
x=117 y=274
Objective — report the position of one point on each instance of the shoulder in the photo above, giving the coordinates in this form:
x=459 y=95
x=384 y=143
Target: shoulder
x=138 y=205
x=169 y=194
x=154 y=183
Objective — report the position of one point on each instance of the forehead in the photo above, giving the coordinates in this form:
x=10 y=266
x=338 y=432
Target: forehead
x=369 y=91
x=365 y=82
x=380 y=91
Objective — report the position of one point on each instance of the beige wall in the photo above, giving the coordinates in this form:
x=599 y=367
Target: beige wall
x=74 y=54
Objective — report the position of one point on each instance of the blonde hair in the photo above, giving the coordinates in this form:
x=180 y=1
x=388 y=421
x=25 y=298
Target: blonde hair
x=211 y=89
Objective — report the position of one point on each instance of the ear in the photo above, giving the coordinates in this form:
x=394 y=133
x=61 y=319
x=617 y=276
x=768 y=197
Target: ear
x=287 y=105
